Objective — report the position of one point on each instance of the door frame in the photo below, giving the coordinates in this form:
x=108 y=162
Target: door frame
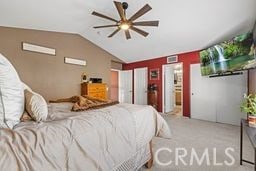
x=163 y=85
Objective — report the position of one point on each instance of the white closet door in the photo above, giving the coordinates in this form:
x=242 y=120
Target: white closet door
x=217 y=99
x=169 y=88
x=125 y=86
x=140 y=86
x=203 y=104
x=229 y=94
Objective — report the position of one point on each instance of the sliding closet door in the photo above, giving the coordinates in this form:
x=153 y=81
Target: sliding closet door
x=217 y=99
x=202 y=99
x=140 y=86
x=229 y=94
x=125 y=86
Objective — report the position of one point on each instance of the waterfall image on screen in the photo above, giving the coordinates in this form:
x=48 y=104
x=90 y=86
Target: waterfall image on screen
x=232 y=55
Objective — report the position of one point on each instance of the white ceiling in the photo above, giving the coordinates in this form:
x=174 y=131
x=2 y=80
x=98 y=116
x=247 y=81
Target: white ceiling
x=185 y=25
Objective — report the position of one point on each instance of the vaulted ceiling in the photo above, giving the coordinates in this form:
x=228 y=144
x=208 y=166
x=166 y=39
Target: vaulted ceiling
x=185 y=25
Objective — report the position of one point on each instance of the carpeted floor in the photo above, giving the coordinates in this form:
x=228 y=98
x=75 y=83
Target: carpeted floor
x=177 y=111
x=191 y=133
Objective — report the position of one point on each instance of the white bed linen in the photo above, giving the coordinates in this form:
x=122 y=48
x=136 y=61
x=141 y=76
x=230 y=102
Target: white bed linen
x=102 y=139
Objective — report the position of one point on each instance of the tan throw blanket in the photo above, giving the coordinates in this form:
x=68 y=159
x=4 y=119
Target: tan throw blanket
x=82 y=103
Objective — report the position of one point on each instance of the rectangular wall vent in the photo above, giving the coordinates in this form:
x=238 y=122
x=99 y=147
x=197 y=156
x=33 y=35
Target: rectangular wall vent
x=172 y=59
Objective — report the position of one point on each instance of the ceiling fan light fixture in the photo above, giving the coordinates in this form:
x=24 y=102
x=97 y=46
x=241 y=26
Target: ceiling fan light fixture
x=124 y=26
x=127 y=24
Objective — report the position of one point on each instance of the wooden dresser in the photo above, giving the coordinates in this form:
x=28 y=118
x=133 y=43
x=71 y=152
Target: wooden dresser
x=97 y=90
x=152 y=98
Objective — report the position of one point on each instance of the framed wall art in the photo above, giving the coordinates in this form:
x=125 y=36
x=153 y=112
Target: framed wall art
x=154 y=74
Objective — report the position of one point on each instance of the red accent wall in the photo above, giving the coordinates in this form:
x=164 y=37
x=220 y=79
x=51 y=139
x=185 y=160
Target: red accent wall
x=186 y=59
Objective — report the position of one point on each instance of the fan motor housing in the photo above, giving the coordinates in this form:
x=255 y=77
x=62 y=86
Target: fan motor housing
x=125 y=5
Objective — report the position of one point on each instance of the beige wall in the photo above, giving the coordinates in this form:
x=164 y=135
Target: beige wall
x=48 y=75
x=252 y=81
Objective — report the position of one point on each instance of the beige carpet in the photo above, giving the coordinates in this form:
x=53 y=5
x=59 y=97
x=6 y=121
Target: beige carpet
x=190 y=133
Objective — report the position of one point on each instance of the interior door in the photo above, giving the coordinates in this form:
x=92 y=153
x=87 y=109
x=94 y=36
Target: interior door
x=169 y=88
x=125 y=86
x=140 y=86
x=203 y=104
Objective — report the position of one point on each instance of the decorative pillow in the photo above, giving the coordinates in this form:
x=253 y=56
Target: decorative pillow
x=25 y=116
x=36 y=106
x=11 y=95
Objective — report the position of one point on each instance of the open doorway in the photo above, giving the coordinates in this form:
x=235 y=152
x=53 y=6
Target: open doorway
x=173 y=89
x=114 y=95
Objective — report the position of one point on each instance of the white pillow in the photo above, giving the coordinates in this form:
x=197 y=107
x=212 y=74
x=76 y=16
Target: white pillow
x=11 y=95
x=36 y=106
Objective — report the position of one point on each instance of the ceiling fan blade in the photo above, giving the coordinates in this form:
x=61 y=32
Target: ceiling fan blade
x=141 y=12
x=143 y=33
x=127 y=34
x=96 y=27
x=146 y=23
x=117 y=30
x=103 y=16
x=120 y=10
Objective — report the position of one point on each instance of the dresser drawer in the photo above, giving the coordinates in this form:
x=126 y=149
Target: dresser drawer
x=100 y=95
x=96 y=88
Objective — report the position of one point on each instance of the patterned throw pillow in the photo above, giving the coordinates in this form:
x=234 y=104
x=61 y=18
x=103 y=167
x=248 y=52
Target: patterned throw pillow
x=36 y=106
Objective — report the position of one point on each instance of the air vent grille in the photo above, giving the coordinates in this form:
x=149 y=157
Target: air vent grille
x=172 y=59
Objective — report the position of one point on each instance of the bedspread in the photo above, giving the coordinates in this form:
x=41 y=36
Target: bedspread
x=100 y=139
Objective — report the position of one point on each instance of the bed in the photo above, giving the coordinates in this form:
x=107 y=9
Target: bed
x=112 y=138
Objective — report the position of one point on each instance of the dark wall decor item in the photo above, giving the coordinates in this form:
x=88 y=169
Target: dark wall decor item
x=154 y=74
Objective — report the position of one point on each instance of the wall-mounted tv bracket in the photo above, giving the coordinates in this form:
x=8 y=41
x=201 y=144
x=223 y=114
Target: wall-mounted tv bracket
x=226 y=74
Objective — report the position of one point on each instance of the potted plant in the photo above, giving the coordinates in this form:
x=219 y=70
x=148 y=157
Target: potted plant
x=249 y=106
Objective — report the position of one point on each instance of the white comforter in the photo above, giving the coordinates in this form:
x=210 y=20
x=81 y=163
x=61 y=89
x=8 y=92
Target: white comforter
x=99 y=139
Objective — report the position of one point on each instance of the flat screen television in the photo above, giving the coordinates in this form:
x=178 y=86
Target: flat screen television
x=232 y=55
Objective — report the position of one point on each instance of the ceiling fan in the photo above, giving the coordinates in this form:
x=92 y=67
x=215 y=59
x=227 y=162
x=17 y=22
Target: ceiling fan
x=127 y=24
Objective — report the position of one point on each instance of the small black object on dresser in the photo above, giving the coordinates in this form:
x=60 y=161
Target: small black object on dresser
x=96 y=80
